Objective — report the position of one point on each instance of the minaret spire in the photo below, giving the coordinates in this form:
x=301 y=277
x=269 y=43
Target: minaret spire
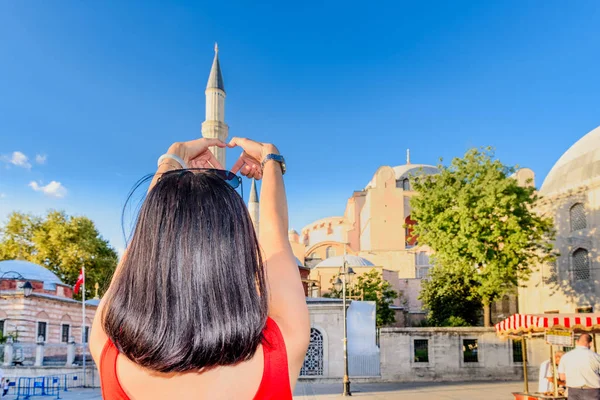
x=253 y=205
x=407 y=156
x=214 y=126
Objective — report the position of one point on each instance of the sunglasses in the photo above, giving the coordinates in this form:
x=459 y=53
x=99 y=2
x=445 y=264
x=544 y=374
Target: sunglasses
x=232 y=179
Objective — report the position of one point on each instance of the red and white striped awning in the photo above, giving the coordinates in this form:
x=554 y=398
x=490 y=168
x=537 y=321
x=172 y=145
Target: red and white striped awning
x=518 y=324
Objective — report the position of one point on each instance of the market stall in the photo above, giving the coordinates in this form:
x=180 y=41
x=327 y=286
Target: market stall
x=556 y=330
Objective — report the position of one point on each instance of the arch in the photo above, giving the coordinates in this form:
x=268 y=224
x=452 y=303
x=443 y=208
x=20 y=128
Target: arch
x=410 y=240
x=329 y=252
x=314 y=360
x=577 y=217
x=506 y=305
x=320 y=247
x=580 y=265
x=406 y=184
x=66 y=319
x=42 y=315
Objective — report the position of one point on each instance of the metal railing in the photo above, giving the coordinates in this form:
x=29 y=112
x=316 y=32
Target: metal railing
x=50 y=385
x=38 y=386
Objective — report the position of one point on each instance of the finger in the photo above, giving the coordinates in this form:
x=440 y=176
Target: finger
x=238 y=164
x=237 y=141
x=246 y=169
x=213 y=142
x=214 y=162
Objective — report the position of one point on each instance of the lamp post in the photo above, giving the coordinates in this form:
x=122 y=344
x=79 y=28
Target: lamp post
x=343 y=279
x=27 y=286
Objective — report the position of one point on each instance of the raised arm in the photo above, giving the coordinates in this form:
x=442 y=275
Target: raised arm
x=287 y=302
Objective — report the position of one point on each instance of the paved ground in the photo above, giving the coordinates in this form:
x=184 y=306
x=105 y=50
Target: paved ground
x=412 y=391
x=371 y=391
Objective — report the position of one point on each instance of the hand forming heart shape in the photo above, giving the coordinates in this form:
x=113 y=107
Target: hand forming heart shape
x=197 y=154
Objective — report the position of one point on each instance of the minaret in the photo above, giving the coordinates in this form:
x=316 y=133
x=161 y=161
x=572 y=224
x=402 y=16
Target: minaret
x=253 y=205
x=407 y=156
x=214 y=126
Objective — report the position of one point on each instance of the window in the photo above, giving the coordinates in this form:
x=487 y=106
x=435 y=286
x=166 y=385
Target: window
x=581 y=265
x=86 y=334
x=409 y=238
x=586 y=309
x=329 y=252
x=577 y=217
x=517 y=351
x=406 y=184
x=1 y=327
x=422 y=258
x=313 y=360
x=41 y=330
x=470 y=351
x=65 y=333
x=422 y=272
x=421 y=350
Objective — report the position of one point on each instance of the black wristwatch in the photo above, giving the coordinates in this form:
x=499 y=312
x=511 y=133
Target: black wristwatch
x=275 y=157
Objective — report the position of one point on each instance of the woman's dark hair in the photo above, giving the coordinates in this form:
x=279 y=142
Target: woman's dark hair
x=191 y=290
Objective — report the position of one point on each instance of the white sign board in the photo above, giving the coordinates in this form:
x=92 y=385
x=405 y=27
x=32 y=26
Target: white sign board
x=559 y=338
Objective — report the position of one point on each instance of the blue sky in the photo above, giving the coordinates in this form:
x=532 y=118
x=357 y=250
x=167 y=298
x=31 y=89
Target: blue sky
x=102 y=88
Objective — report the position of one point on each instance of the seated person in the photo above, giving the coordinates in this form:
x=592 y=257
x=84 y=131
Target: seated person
x=546 y=376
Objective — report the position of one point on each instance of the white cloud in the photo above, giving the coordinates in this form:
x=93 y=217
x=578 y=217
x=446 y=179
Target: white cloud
x=53 y=189
x=17 y=158
x=40 y=159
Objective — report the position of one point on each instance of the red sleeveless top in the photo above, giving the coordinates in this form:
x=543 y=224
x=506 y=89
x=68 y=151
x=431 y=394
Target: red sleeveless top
x=275 y=383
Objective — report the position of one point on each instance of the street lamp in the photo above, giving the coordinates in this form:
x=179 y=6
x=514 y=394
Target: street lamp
x=27 y=286
x=345 y=278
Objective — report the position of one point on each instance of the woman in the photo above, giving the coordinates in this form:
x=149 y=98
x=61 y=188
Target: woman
x=192 y=311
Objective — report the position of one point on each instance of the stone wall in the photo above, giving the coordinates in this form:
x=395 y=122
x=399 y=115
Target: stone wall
x=446 y=360
x=21 y=314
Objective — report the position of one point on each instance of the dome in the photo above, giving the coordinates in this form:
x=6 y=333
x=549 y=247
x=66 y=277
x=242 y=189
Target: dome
x=338 y=261
x=30 y=271
x=577 y=166
x=405 y=171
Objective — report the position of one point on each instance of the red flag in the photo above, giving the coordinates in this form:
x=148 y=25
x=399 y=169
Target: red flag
x=79 y=282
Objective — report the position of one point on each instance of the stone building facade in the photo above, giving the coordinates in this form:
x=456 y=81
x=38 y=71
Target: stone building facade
x=571 y=196
x=50 y=311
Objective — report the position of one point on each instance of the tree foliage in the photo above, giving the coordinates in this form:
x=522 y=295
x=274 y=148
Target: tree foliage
x=61 y=243
x=481 y=223
x=372 y=287
x=449 y=297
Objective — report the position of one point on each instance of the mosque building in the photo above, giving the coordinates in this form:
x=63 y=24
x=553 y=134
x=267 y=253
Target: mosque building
x=571 y=196
x=373 y=234
x=46 y=312
x=375 y=230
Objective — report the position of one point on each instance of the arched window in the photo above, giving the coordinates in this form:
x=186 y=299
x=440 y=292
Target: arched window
x=506 y=305
x=581 y=265
x=577 y=217
x=313 y=360
x=406 y=184
x=410 y=238
x=329 y=252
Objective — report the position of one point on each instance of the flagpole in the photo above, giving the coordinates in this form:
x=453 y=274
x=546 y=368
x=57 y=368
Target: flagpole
x=83 y=338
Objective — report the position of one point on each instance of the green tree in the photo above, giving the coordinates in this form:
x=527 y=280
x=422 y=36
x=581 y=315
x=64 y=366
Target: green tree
x=480 y=222
x=372 y=287
x=449 y=297
x=61 y=243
